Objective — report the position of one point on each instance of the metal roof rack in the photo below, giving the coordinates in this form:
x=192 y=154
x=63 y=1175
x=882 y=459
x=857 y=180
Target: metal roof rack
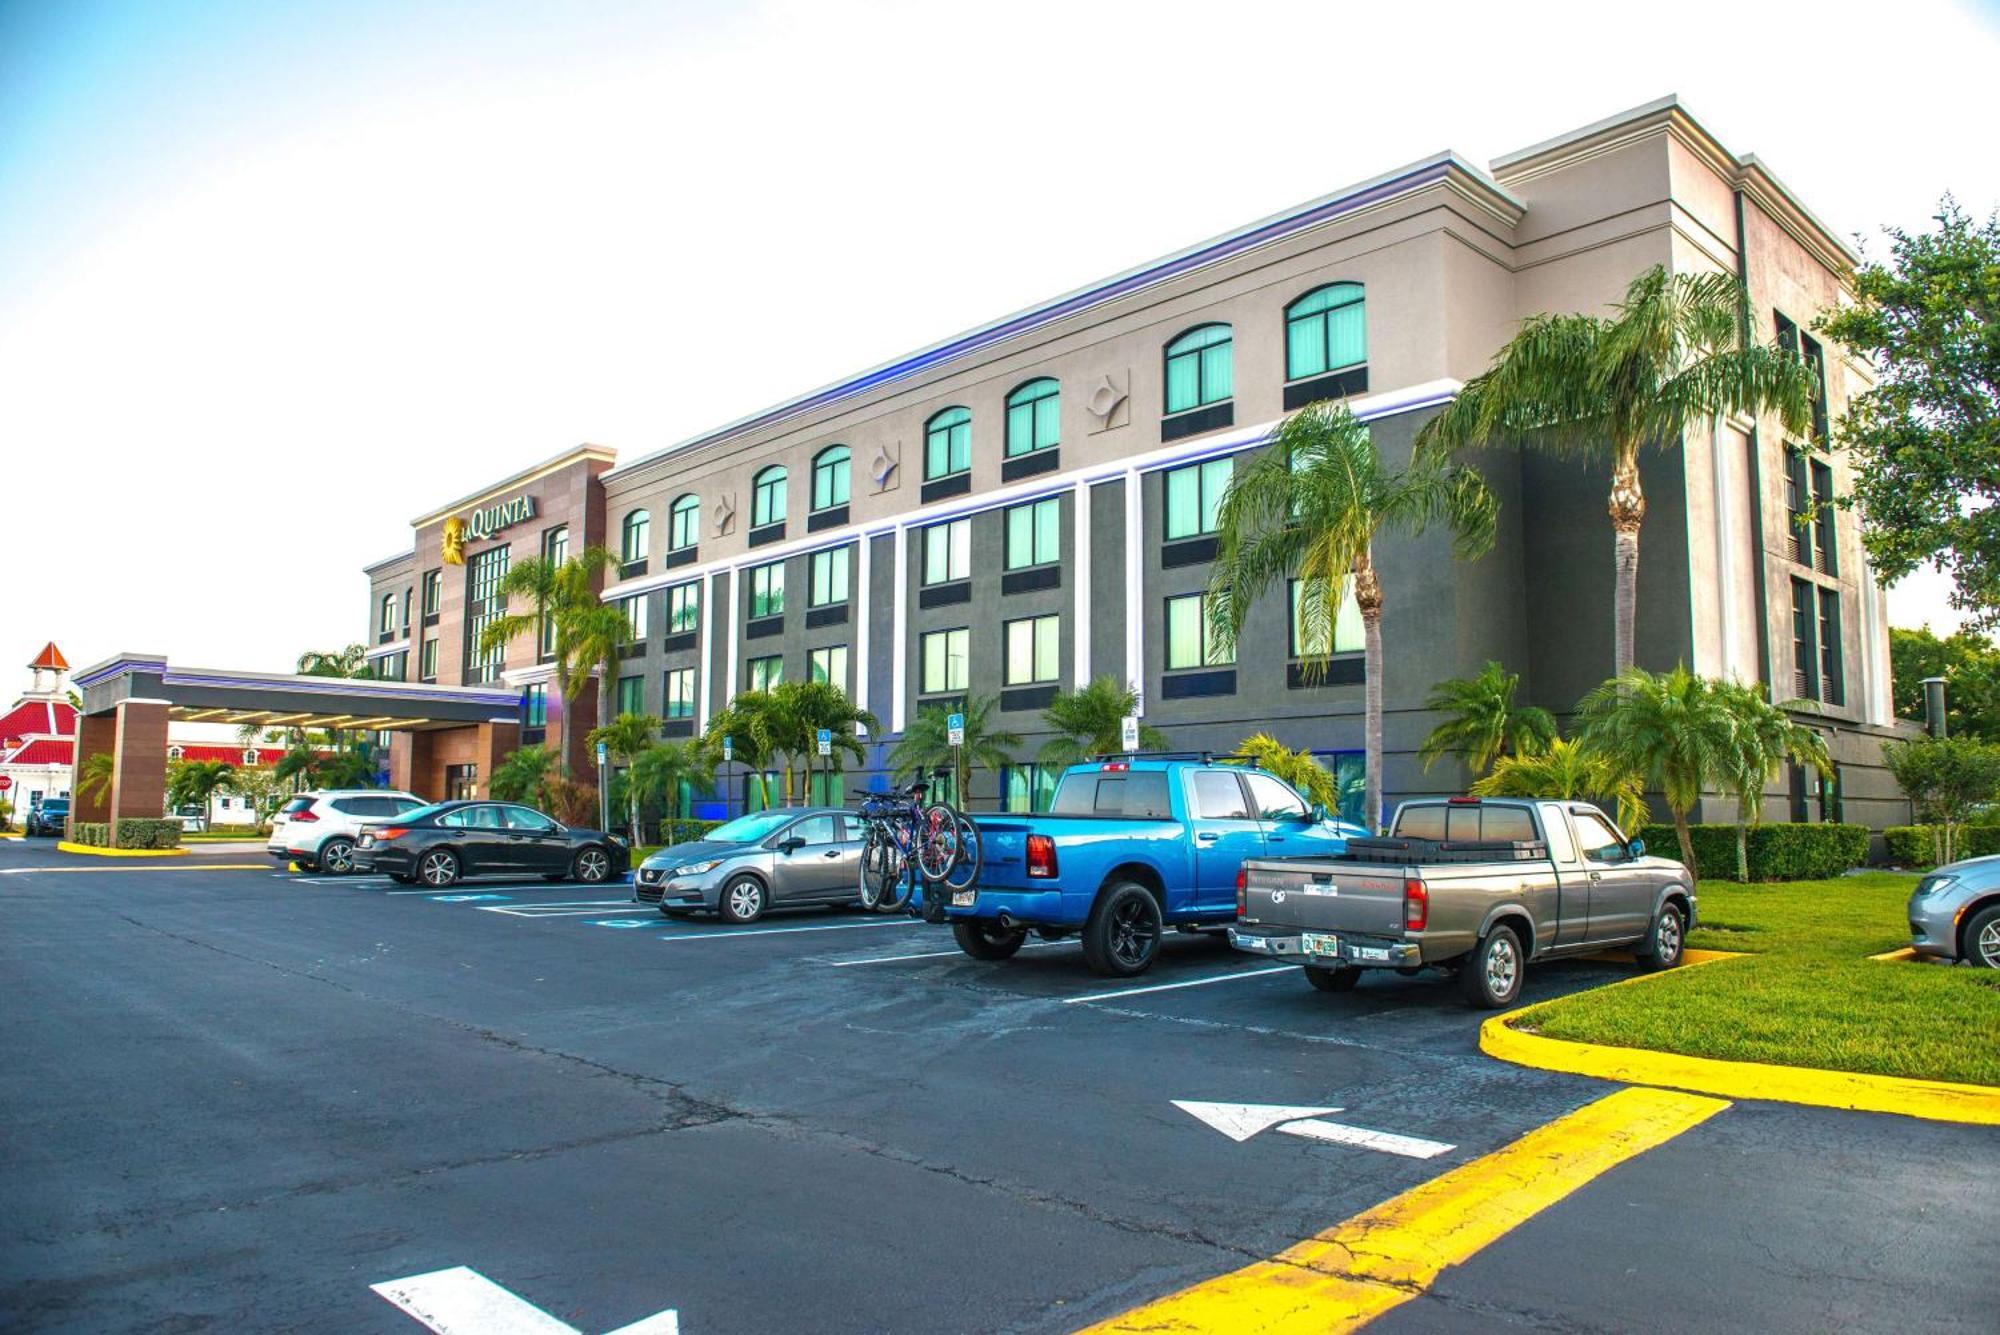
x=1205 y=757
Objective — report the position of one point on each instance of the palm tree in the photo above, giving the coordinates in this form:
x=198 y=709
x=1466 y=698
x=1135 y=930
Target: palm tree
x=1090 y=721
x=1673 y=730
x=523 y=776
x=1482 y=722
x=659 y=772
x=1675 y=351
x=93 y=781
x=195 y=783
x=1565 y=769
x=812 y=705
x=349 y=662
x=1310 y=508
x=589 y=636
x=1766 y=738
x=737 y=722
x=556 y=591
x=625 y=739
x=926 y=744
x=1298 y=768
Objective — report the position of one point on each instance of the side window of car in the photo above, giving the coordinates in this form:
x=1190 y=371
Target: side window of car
x=460 y=819
x=1600 y=842
x=523 y=818
x=1561 y=847
x=1218 y=795
x=348 y=806
x=402 y=806
x=813 y=829
x=1274 y=800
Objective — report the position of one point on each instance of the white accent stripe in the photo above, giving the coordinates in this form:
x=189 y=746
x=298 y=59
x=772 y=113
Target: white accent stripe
x=863 y=599
x=704 y=664
x=899 y=633
x=939 y=954
x=461 y=1301
x=726 y=608
x=1135 y=588
x=1410 y=1147
x=1169 y=987
x=1080 y=572
x=726 y=935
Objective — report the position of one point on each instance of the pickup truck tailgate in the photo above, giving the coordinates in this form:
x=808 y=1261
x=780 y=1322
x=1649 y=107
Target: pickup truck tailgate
x=1324 y=896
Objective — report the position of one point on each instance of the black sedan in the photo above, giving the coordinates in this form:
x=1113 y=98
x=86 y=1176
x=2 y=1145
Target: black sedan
x=438 y=844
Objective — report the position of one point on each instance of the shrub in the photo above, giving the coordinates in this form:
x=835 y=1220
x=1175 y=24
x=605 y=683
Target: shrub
x=682 y=829
x=132 y=833
x=1916 y=845
x=96 y=833
x=1777 y=852
x=573 y=803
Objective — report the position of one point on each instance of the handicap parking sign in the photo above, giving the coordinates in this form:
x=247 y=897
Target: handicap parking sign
x=622 y=922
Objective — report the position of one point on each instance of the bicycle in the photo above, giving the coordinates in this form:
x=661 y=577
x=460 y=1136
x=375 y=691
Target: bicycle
x=906 y=833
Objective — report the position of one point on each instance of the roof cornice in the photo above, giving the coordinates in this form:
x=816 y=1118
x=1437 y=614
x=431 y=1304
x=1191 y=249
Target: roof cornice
x=568 y=458
x=1446 y=169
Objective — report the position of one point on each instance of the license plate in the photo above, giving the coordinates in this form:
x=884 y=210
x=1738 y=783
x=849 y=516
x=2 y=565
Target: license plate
x=1371 y=953
x=964 y=899
x=1324 y=944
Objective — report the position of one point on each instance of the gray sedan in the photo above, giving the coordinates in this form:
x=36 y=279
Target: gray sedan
x=770 y=859
x=1955 y=913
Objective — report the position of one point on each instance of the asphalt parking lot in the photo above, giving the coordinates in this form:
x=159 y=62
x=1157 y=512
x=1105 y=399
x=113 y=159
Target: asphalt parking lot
x=238 y=1098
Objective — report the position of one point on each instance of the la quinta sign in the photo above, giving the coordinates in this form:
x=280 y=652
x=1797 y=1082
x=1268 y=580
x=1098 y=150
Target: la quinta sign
x=484 y=523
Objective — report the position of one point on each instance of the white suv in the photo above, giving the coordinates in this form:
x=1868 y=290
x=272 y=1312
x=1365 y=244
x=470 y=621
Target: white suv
x=318 y=830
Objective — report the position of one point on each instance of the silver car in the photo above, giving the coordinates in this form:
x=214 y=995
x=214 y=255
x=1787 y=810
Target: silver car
x=1955 y=912
x=780 y=858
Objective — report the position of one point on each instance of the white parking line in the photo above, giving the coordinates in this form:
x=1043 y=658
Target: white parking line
x=1169 y=987
x=939 y=954
x=781 y=931
x=557 y=910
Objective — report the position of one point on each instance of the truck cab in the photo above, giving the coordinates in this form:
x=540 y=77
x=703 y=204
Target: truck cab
x=1130 y=847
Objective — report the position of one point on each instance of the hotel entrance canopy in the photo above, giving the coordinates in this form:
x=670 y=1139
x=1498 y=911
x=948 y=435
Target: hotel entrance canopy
x=272 y=700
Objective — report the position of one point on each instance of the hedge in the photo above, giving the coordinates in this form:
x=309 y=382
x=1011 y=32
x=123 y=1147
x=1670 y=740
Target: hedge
x=682 y=830
x=1915 y=846
x=132 y=833
x=1804 y=852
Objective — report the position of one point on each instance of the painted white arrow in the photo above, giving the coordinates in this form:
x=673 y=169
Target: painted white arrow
x=461 y=1301
x=1240 y=1121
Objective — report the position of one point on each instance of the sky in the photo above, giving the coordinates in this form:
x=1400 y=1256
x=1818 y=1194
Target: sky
x=277 y=277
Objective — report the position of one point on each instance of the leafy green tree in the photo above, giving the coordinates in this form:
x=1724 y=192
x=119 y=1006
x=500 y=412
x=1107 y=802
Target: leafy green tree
x=739 y=722
x=1970 y=666
x=1925 y=441
x=256 y=785
x=1482 y=723
x=1672 y=729
x=1564 y=769
x=1298 y=768
x=1765 y=737
x=354 y=768
x=1945 y=778
x=1090 y=721
x=194 y=783
x=589 y=637
x=624 y=740
x=561 y=598
x=660 y=772
x=1309 y=508
x=1674 y=352
x=524 y=776
x=812 y=705
x=926 y=745
x=351 y=661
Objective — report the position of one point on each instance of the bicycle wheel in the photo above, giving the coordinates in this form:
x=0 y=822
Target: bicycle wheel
x=937 y=843
x=965 y=867
x=885 y=886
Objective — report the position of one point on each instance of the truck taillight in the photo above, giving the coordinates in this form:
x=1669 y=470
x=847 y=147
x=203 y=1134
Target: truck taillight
x=1416 y=905
x=1242 y=891
x=1115 y=765
x=1041 y=856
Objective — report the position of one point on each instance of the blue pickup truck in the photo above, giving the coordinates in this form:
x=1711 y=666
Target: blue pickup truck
x=1129 y=848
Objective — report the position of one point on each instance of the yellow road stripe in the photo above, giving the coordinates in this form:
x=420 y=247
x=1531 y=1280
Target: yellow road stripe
x=178 y=866
x=1386 y=1256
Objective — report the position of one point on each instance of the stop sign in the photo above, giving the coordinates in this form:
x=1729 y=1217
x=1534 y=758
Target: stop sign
x=6 y=782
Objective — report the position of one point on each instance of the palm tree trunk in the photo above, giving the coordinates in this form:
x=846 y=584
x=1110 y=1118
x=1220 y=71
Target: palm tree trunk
x=1687 y=844
x=1742 y=852
x=1368 y=597
x=1628 y=511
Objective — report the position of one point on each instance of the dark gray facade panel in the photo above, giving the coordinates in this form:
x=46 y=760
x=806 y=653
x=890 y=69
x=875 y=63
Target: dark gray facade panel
x=1107 y=580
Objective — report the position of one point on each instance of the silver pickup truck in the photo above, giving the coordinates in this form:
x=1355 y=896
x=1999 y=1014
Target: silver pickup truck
x=1478 y=887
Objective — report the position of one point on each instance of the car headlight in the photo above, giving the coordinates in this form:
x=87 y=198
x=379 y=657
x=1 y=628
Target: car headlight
x=1935 y=885
x=621 y=841
x=697 y=868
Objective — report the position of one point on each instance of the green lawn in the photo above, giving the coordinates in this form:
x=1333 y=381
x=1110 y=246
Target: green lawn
x=1807 y=994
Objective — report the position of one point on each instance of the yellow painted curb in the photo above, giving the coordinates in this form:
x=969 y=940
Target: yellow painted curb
x=1932 y=1100
x=1895 y=956
x=92 y=851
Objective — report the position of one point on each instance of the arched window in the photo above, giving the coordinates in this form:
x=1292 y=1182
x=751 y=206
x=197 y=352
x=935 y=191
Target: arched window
x=1034 y=413
x=632 y=545
x=175 y=753
x=1324 y=331
x=1200 y=368
x=830 y=468
x=948 y=443
x=684 y=522
x=250 y=758
x=767 y=502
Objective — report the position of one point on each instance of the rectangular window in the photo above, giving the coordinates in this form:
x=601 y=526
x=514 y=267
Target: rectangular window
x=1028 y=788
x=631 y=695
x=433 y=591
x=1034 y=649
x=1832 y=690
x=829 y=664
x=1798 y=508
x=678 y=701
x=1200 y=368
x=408 y=597
x=764 y=673
x=1805 y=653
x=634 y=609
x=829 y=577
x=1825 y=556
x=684 y=524
x=1189 y=643
x=394 y=667
x=1345 y=637
x=948 y=552
x=535 y=706
x=1788 y=333
x=388 y=624
x=1034 y=534
x=1194 y=498
x=684 y=607
x=427 y=662
x=555 y=545
x=947 y=656
x=484 y=603
x=1815 y=357
x=767 y=590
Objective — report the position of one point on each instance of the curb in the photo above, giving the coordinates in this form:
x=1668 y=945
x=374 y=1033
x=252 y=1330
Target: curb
x=1856 y=1091
x=91 y=851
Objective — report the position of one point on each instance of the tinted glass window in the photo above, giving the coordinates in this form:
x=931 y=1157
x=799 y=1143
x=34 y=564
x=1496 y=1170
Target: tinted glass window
x=296 y=805
x=1561 y=847
x=472 y=818
x=814 y=830
x=353 y=806
x=1140 y=794
x=522 y=818
x=1218 y=796
x=1461 y=824
x=1424 y=822
x=1274 y=800
x=1076 y=795
x=1600 y=842
x=1506 y=823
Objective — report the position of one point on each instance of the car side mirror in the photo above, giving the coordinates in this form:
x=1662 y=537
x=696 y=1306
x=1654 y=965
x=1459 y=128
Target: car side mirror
x=1316 y=814
x=791 y=845
x=1637 y=849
